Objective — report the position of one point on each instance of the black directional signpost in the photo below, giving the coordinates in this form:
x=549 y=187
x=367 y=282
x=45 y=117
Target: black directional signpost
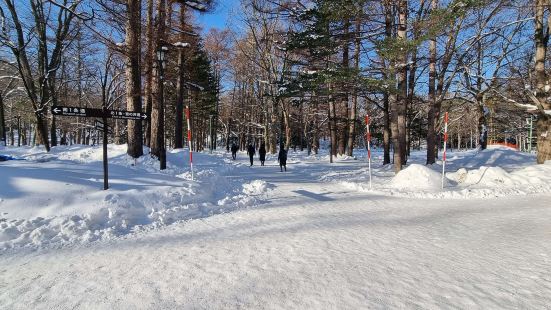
x=104 y=114
x=99 y=125
x=89 y=112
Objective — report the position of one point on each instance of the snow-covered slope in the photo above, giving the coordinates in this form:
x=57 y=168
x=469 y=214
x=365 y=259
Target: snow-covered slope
x=57 y=197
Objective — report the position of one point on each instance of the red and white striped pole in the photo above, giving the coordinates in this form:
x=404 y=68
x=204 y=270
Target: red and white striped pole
x=189 y=140
x=368 y=133
x=445 y=143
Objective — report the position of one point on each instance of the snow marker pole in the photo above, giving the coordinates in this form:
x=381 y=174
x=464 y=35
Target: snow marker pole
x=189 y=141
x=368 y=148
x=445 y=142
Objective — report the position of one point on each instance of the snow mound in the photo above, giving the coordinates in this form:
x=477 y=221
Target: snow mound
x=255 y=187
x=496 y=177
x=418 y=177
x=488 y=182
x=496 y=156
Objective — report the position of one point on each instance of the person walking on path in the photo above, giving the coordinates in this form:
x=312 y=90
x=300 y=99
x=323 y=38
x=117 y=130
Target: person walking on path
x=251 y=151
x=234 y=149
x=282 y=158
x=262 y=153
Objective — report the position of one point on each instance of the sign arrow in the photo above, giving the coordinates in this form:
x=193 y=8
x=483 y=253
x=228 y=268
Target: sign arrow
x=103 y=113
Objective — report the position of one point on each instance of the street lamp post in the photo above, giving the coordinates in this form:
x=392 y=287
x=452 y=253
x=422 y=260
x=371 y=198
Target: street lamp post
x=161 y=57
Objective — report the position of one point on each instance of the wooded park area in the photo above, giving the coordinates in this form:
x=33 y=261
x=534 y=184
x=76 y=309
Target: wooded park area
x=282 y=72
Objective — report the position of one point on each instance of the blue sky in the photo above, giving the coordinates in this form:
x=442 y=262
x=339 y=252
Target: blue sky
x=219 y=17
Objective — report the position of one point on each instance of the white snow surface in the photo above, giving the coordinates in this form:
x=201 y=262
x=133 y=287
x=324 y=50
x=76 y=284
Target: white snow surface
x=314 y=237
x=417 y=177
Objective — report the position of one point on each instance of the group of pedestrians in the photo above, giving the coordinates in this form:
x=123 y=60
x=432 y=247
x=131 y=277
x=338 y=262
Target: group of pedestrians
x=251 y=151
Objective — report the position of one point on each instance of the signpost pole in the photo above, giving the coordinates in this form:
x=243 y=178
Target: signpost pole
x=104 y=114
x=368 y=148
x=445 y=142
x=105 y=166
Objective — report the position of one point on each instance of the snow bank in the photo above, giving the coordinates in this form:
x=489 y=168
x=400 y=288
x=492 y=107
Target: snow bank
x=488 y=182
x=495 y=172
x=56 y=198
x=495 y=156
x=418 y=177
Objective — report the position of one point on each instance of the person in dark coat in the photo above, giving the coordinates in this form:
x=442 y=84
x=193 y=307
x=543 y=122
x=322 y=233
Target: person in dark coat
x=262 y=153
x=282 y=158
x=251 y=151
x=234 y=149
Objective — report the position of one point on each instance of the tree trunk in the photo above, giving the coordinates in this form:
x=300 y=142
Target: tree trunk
x=332 y=129
x=434 y=109
x=353 y=109
x=117 y=132
x=12 y=135
x=331 y=135
x=342 y=124
x=19 y=131
x=543 y=129
x=287 y=128
x=398 y=101
x=273 y=136
x=2 y=122
x=157 y=111
x=482 y=126
x=53 y=97
x=397 y=160
x=386 y=130
x=543 y=125
x=402 y=86
x=133 y=76
x=149 y=56
x=389 y=99
x=53 y=132
x=42 y=131
x=180 y=91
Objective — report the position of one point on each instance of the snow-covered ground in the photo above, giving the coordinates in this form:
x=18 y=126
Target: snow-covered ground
x=314 y=237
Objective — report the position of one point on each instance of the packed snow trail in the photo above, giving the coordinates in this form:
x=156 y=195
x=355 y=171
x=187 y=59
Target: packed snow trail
x=361 y=252
x=301 y=180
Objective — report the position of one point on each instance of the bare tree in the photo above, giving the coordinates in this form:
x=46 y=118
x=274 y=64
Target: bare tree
x=27 y=37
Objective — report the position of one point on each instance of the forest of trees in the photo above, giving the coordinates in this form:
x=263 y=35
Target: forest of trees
x=285 y=73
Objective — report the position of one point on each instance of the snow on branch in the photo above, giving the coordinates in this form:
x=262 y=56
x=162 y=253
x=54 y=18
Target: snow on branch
x=196 y=86
x=180 y=44
x=528 y=107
